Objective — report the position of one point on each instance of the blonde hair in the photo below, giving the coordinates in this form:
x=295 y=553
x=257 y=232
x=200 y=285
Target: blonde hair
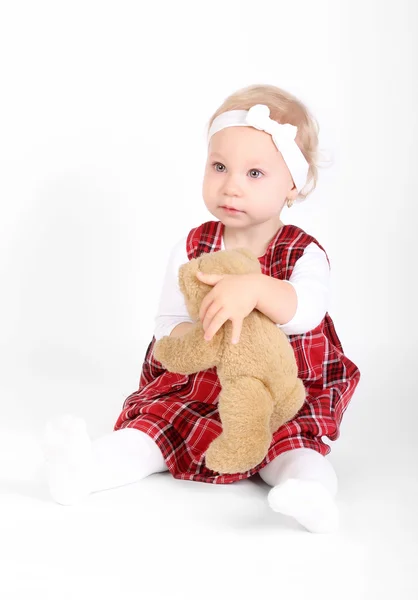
x=284 y=108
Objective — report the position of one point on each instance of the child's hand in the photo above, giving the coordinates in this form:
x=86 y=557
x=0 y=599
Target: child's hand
x=233 y=297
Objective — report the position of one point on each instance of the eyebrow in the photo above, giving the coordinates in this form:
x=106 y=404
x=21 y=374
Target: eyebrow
x=255 y=161
x=216 y=154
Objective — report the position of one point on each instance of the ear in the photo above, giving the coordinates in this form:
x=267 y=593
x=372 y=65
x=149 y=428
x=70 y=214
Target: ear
x=293 y=194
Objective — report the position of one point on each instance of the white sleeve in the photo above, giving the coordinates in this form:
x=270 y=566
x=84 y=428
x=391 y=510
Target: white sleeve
x=311 y=279
x=172 y=307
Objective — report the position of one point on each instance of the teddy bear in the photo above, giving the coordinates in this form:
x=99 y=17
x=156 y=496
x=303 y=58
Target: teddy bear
x=259 y=376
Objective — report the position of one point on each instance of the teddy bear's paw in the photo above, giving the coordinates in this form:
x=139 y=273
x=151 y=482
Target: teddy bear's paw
x=167 y=353
x=161 y=351
x=223 y=456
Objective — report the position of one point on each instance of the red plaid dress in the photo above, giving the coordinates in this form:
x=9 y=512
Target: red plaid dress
x=180 y=413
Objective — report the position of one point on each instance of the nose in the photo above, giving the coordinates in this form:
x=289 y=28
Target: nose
x=231 y=185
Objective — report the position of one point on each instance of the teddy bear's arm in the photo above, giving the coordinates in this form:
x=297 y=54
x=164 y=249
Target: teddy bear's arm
x=189 y=353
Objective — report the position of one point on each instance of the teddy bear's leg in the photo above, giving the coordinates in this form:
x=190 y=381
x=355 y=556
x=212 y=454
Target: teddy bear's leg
x=245 y=408
x=189 y=353
x=289 y=395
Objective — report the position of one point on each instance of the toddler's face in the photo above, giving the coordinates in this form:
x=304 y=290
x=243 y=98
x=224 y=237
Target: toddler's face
x=246 y=172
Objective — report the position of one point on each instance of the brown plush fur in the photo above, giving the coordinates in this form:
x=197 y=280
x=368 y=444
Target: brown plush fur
x=260 y=387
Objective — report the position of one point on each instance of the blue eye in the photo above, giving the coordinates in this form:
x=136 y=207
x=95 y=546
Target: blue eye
x=255 y=171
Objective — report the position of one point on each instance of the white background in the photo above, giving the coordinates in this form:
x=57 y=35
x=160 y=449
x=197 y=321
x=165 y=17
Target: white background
x=103 y=114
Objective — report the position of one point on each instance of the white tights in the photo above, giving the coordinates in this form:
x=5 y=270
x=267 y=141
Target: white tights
x=304 y=486
x=76 y=467
x=303 y=482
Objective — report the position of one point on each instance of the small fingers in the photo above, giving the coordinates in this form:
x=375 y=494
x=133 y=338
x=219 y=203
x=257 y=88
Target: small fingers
x=212 y=310
x=236 y=330
x=206 y=302
x=218 y=320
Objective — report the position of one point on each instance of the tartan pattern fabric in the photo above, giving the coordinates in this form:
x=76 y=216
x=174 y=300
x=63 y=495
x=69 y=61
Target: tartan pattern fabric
x=180 y=411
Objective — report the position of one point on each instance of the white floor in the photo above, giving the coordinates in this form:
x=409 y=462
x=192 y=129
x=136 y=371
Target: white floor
x=167 y=539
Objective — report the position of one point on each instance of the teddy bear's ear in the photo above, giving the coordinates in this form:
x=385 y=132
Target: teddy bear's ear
x=187 y=274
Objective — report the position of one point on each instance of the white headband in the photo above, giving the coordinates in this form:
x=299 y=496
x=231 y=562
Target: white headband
x=283 y=136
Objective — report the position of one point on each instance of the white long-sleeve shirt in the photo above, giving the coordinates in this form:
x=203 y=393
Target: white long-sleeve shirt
x=310 y=278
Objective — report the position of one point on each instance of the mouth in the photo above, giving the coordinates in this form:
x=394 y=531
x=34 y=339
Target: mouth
x=229 y=209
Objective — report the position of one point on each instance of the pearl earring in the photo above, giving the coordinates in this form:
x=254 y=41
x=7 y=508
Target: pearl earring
x=289 y=202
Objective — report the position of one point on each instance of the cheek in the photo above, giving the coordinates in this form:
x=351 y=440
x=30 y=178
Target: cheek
x=208 y=186
x=276 y=188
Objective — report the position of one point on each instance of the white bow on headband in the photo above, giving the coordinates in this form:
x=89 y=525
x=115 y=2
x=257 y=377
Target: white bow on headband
x=259 y=117
x=283 y=135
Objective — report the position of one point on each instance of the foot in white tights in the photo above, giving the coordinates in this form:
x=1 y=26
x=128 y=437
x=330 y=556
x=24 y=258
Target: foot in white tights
x=304 y=487
x=77 y=467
